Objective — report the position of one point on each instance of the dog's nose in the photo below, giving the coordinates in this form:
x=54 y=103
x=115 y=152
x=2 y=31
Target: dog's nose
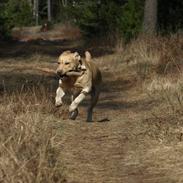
x=59 y=72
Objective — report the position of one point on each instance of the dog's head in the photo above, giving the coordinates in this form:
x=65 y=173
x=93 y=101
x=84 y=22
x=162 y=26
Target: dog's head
x=68 y=62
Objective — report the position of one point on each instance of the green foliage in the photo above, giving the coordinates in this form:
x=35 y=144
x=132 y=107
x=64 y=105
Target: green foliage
x=18 y=13
x=4 y=26
x=94 y=18
x=84 y=14
x=170 y=15
x=14 y=13
x=106 y=17
x=109 y=16
x=4 y=29
x=130 y=22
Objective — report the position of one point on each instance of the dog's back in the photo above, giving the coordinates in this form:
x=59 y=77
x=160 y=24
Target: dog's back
x=96 y=73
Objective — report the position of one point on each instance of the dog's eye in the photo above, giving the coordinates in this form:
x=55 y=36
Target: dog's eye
x=67 y=63
x=58 y=63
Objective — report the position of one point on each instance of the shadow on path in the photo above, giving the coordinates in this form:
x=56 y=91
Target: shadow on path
x=52 y=48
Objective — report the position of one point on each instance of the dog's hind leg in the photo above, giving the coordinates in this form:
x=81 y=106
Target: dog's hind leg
x=94 y=98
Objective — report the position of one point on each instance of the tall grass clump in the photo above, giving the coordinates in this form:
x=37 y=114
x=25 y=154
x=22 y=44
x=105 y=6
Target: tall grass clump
x=155 y=55
x=170 y=90
x=158 y=63
x=29 y=151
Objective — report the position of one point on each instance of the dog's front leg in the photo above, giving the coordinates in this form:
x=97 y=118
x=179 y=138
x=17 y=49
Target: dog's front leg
x=59 y=95
x=74 y=105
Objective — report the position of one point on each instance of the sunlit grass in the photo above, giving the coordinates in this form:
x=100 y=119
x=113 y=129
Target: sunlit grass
x=28 y=146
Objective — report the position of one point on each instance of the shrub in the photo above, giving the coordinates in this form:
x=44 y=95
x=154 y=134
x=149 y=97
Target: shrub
x=130 y=22
x=4 y=26
x=18 y=13
x=99 y=18
x=155 y=55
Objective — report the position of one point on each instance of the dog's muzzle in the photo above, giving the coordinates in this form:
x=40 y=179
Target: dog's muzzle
x=69 y=73
x=61 y=74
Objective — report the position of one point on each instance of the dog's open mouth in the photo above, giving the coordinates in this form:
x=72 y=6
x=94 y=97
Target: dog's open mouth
x=63 y=76
x=66 y=74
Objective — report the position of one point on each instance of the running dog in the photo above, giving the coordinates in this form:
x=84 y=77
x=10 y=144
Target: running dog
x=81 y=77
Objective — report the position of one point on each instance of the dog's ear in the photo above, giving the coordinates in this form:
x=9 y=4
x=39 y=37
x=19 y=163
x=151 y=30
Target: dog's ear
x=77 y=56
x=81 y=66
x=88 y=56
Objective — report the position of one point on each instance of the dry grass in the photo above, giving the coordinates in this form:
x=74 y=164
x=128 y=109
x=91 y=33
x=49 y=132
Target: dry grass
x=155 y=55
x=158 y=63
x=142 y=142
x=29 y=151
x=170 y=92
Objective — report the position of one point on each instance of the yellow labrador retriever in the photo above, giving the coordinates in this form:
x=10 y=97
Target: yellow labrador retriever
x=81 y=77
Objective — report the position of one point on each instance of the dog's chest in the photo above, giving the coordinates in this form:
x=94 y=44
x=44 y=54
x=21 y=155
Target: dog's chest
x=75 y=83
x=68 y=82
x=81 y=81
x=72 y=83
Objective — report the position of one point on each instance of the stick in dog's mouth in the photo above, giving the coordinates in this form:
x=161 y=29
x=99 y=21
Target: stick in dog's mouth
x=72 y=73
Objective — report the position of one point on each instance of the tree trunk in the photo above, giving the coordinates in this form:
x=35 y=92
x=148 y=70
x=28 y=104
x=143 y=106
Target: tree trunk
x=36 y=11
x=150 y=17
x=49 y=10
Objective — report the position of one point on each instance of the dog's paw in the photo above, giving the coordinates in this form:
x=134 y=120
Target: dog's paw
x=58 y=103
x=89 y=120
x=73 y=114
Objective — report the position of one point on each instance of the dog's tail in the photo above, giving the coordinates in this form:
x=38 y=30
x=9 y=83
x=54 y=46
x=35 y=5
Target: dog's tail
x=88 y=56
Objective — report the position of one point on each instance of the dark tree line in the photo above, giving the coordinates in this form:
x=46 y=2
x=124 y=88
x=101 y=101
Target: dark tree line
x=170 y=15
x=96 y=17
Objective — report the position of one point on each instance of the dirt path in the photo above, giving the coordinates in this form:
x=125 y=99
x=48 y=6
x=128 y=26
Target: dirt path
x=111 y=151
x=129 y=146
x=120 y=148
